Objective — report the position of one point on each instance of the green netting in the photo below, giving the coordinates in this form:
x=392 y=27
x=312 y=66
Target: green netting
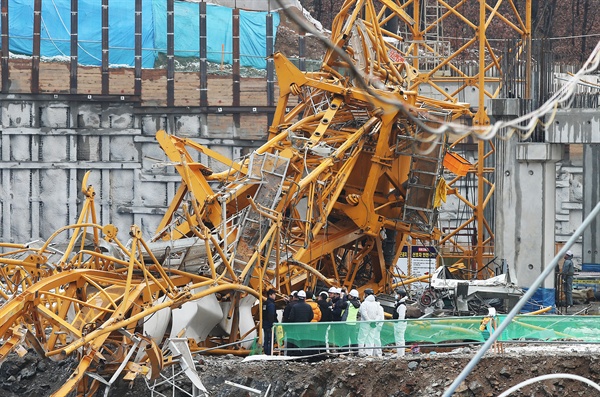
x=438 y=331
x=552 y=328
x=430 y=331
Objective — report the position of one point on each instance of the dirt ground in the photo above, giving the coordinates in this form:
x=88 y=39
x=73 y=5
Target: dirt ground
x=424 y=374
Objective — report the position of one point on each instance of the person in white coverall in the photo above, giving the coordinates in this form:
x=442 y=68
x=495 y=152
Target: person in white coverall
x=371 y=310
x=400 y=325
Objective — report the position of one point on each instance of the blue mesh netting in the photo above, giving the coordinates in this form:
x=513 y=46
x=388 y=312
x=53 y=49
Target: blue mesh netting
x=56 y=26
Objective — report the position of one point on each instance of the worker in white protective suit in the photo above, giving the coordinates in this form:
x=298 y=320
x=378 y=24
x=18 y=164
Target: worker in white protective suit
x=371 y=311
x=400 y=325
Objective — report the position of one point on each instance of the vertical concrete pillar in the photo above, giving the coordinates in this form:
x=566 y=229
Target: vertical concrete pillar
x=591 y=197
x=525 y=214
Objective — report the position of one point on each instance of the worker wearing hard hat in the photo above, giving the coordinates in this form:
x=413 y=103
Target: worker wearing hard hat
x=301 y=312
x=292 y=300
x=352 y=315
x=339 y=305
x=325 y=306
x=568 y=270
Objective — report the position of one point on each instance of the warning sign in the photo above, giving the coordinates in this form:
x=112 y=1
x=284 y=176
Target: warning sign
x=395 y=56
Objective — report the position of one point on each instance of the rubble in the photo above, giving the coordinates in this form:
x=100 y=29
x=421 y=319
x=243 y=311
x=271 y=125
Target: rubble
x=424 y=375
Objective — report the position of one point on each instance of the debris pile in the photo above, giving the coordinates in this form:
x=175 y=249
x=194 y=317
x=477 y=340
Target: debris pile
x=425 y=374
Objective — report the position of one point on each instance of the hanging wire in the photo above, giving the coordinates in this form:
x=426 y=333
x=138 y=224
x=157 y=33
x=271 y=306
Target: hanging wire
x=523 y=125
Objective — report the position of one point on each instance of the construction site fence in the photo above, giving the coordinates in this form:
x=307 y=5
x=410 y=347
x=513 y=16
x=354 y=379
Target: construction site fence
x=447 y=331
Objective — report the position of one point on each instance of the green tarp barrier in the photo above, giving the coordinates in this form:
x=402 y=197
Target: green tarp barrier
x=441 y=330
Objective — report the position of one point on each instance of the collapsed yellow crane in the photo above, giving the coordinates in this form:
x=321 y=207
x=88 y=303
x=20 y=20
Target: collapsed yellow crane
x=347 y=177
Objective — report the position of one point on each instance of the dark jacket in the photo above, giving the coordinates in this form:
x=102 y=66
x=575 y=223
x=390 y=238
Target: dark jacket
x=301 y=313
x=326 y=313
x=287 y=310
x=339 y=305
x=269 y=314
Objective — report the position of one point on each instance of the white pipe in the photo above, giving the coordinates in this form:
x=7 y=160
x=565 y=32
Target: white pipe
x=547 y=377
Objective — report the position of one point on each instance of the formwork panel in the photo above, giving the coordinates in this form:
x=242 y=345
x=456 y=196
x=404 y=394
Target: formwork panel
x=253 y=127
x=89 y=80
x=187 y=89
x=54 y=194
x=89 y=116
x=54 y=77
x=153 y=123
x=220 y=91
x=54 y=148
x=253 y=92
x=122 y=196
x=20 y=76
x=20 y=188
x=122 y=148
x=121 y=81
x=154 y=92
x=219 y=126
x=153 y=196
x=55 y=116
x=226 y=151
x=20 y=148
x=89 y=148
x=188 y=126
x=18 y=114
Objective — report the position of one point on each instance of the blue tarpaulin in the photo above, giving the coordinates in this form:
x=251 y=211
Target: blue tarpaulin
x=56 y=27
x=543 y=297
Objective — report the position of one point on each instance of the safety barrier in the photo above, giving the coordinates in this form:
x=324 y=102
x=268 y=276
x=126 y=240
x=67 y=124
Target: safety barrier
x=311 y=338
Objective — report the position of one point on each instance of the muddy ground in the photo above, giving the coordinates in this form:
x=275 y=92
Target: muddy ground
x=423 y=374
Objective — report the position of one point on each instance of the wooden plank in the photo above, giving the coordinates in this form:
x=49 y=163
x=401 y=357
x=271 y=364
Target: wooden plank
x=89 y=80
x=154 y=83
x=55 y=78
x=19 y=71
x=186 y=88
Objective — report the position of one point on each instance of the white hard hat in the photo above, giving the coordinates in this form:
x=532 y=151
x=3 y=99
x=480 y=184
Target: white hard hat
x=294 y=293
x=301 y=294
x=569 y=253
x=354 y=293
x=332 y=290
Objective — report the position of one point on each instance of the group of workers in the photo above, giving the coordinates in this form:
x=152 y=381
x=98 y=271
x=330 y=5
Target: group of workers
x=337 y=305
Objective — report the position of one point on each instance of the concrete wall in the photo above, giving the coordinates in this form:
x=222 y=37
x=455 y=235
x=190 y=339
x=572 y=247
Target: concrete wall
x=46 y=148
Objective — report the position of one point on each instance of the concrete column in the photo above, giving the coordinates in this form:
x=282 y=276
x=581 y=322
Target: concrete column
x=525 y=199
x=525 y=214
x=591 y=197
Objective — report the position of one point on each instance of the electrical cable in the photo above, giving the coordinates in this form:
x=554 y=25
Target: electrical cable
x=500 y=129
